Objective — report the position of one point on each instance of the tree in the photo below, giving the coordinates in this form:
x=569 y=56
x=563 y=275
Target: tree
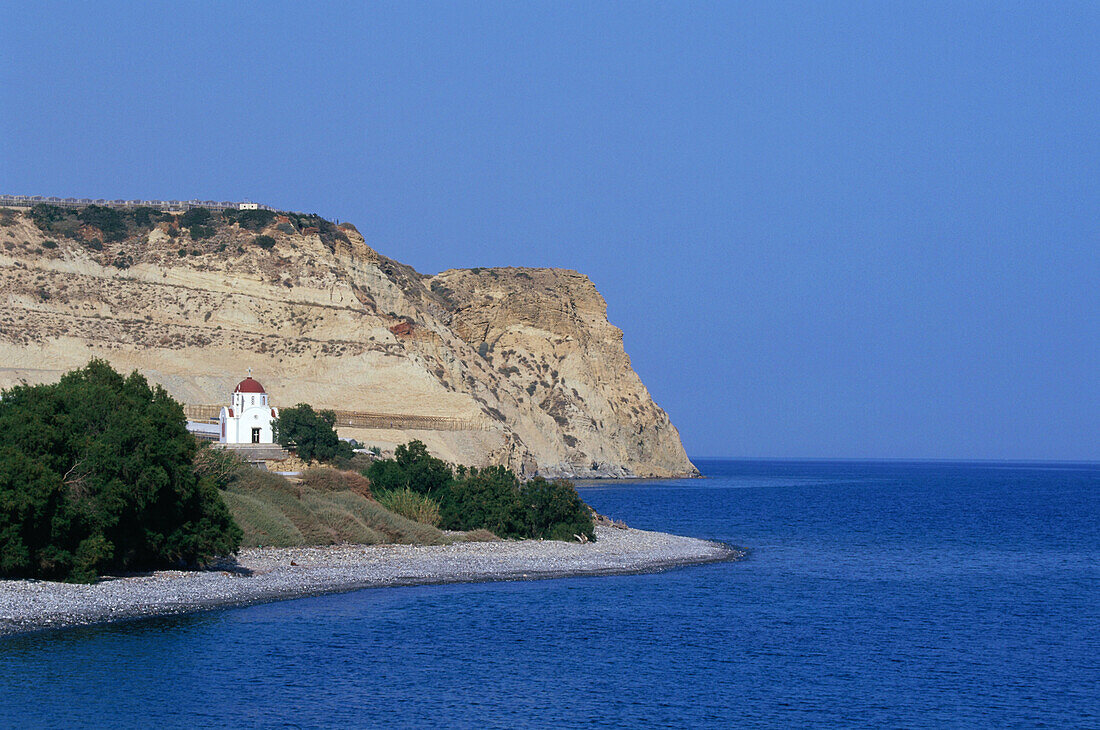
x=108 y=220
x=411 y=468
x=146 y=217
x=554 y=510
x=486 y=498
x=96 y=475
x=312 y=434
x=195 y=217
x=491 y=498
x=255 y=220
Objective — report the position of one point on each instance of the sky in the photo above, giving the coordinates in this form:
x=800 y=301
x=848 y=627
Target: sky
x=827 y=230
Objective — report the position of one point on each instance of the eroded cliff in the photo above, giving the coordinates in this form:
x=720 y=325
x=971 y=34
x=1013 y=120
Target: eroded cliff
x=524 y=358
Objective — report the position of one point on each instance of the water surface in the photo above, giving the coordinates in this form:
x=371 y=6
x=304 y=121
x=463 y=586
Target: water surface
x=874 y=594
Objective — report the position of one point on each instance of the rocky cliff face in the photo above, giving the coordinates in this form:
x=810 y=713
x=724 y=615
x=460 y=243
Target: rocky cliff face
x=524 y=357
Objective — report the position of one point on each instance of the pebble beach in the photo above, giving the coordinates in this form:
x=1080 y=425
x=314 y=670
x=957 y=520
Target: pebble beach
x=269 y=574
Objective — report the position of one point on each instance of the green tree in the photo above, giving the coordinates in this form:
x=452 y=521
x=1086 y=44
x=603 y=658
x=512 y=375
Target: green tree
x=491 y=498
x=312 y=433
x=255 y=220
x=484 y=498
x=146 y=217
x=96 y=474
x=411 y=468
x=195 y=217
x=554 y=510
x=108 y=220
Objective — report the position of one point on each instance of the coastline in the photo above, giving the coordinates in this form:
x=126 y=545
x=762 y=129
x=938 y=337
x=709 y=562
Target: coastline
x=261 y=575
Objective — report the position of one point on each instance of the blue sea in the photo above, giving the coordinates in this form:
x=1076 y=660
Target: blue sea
x=874 y=594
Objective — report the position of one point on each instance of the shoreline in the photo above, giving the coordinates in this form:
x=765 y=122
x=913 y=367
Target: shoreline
x=262 y=575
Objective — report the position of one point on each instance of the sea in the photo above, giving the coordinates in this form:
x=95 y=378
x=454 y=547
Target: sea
x=872 y=595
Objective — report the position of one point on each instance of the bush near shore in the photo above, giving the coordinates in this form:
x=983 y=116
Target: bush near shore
x=491 y=499
x=96 y=475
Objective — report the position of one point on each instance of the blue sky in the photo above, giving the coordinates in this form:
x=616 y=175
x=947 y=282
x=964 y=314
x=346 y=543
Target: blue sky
x=826 y=229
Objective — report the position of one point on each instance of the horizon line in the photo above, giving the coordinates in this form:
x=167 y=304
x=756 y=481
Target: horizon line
x=899 y=459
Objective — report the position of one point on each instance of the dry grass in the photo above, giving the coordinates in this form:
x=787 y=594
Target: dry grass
x=274 y=512
x=413 y=505
x=334 y=480
x=479 y=535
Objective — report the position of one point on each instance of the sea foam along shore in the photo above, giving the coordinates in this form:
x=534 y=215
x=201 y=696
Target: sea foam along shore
x=269 y=574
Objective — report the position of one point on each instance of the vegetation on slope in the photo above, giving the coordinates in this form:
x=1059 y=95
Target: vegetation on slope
x=415 y=506
x=95 y=224
x=96 y=475
x=492 y=498
x=327 y=507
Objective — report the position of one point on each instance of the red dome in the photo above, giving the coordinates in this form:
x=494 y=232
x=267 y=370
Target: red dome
x=248 y=385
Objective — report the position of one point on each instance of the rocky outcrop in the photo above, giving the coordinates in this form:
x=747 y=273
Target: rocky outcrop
x=526 y=356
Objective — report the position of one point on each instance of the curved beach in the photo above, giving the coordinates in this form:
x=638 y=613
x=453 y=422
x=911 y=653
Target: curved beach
x=271 y=574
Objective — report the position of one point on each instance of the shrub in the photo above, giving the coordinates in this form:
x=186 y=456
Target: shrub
x=200 y=232
x=479 y=536
x=358 y=463
x=255 y=220
x=480 y=499
x=182 y=252
x=485 y=498
x=43 y=215
x=411 y=468
x=96 y=474
x=220 y=466
x=146 y=217
x=313 y=434
x=49 y=244
x=554 y=510
x=413 y=505
x=95 y=244
x=264 y=242
x=195 y=217
x=108 y=220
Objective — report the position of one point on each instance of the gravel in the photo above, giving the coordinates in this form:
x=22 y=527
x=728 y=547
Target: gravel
x=270 y=574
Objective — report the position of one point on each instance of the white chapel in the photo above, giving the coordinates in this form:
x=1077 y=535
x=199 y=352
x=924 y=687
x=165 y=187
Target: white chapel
x=248 y=420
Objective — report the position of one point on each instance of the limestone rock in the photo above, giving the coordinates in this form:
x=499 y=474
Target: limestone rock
x=526 y=357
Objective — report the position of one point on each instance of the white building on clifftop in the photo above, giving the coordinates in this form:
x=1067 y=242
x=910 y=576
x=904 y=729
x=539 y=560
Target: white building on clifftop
x=248 y=420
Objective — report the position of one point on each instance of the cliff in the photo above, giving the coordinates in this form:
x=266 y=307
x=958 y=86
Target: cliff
x=523 y=360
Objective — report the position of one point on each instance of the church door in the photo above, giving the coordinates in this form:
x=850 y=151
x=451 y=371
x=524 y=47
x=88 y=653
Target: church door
x=255 y=435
